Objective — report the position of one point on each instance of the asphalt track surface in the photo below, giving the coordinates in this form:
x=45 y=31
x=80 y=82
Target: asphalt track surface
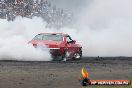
x=56 y=74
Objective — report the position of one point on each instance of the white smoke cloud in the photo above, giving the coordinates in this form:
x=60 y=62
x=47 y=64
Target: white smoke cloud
x=105 y=27
x=15 y=36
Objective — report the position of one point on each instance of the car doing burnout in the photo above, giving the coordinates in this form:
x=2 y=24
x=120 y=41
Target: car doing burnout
x=61 y=46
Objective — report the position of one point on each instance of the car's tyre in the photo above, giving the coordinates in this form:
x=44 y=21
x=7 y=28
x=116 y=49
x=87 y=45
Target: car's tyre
x=57 y=58
x=62 y=57
x=78 y=55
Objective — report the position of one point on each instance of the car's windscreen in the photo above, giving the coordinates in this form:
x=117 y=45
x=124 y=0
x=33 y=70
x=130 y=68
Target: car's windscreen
x=52 y=37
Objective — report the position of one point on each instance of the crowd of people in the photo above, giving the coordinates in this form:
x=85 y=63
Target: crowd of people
x=55 y=17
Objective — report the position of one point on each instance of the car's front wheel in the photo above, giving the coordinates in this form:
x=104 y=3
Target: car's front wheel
x=75 y=56
x=78 y=55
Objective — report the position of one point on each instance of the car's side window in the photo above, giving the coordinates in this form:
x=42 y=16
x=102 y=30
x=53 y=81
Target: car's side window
x=68 y=39
x=38 y=37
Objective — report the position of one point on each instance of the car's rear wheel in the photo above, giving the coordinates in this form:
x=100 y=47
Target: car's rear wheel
x=62 y=57
x=57 y=58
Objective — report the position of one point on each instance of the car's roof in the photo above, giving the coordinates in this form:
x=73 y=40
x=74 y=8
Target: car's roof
x=55 y=33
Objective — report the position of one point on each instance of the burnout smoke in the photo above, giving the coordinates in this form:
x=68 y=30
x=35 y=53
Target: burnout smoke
x=104 y=28
x=14 y=40
x=107 y=25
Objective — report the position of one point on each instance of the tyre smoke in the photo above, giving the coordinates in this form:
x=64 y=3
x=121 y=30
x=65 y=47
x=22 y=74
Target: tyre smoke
x=105 y=28
x=14 y=40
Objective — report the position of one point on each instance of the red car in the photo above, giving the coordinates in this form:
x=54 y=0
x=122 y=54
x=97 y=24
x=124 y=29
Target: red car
x=61 y=46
